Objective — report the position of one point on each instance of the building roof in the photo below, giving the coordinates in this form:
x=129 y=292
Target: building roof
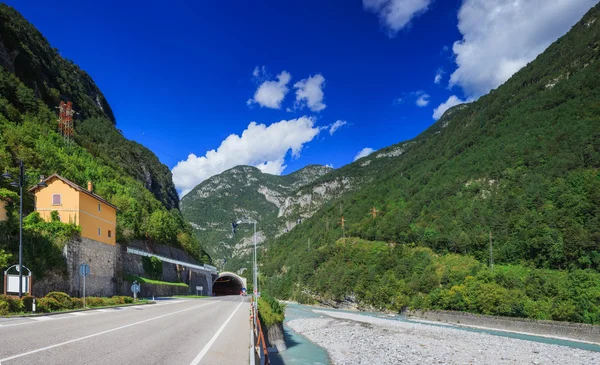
x=74 y=186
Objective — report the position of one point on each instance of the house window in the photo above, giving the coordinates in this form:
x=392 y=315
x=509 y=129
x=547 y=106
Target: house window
x=99 y=232
x=56 y=199
x=109 y=233
x=98 y=207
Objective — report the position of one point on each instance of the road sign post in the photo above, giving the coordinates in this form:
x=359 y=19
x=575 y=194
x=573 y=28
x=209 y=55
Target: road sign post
x=84 y=270
x=135 y=288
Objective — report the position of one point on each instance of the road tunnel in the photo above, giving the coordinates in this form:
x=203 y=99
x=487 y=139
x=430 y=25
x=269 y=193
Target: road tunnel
x=228 y=284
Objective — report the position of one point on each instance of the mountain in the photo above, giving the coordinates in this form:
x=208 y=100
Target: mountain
x=515 y=173
x=34 y=79
x=50 y=78
x=245 y=192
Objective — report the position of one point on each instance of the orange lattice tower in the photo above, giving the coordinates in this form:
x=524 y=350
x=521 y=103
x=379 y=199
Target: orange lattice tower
x=65 y=120
x=374 y=212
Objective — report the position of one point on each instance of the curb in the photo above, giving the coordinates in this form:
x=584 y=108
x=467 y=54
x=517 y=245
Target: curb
x=77 y=310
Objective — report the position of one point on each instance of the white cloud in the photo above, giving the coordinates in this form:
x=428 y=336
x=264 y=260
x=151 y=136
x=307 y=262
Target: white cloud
x=310 y=93
x=337 y=125
x=441 y=109
x=329 y=165
x=422 y=100
x=396 y=14
x=438 y=76
x=363 y=153
x=259 y=145
x=500 y=37
x=270 y=94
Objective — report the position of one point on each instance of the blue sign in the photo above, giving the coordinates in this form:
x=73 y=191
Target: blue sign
x=84 y=269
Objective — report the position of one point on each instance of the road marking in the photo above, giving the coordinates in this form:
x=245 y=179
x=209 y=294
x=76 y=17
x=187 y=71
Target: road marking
x=43 y=318
x=79 y=314
x=100 y=333
x=198 y=358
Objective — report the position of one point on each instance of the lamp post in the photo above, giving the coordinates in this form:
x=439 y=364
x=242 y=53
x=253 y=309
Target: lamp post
x=20 y=183
x=254 y=261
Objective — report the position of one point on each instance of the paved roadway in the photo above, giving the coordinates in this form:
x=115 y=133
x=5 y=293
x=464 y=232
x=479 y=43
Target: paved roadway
x=176 y=331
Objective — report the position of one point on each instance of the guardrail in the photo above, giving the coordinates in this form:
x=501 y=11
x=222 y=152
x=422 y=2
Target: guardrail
x=258 y=349
x=209 y=268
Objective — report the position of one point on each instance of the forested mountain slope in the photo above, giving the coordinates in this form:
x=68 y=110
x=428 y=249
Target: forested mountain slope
x=519 y=166
x=244 y=192
x=34 y=79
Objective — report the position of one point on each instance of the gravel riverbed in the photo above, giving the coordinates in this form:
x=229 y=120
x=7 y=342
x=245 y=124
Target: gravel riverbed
x=357 y=339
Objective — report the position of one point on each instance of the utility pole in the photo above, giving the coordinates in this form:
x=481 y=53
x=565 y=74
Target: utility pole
x=20 y=183
x=491 y=253
x=342 y=222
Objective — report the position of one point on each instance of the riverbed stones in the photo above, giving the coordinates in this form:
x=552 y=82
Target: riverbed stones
x=356 y=339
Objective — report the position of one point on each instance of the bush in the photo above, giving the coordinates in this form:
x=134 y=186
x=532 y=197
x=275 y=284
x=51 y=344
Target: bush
x=270 y=311
x=15 y=305
x=62 y=298
x=46 y=305
x=3 y=308
x=95 y=302
x=77 y=303
x=28 y=302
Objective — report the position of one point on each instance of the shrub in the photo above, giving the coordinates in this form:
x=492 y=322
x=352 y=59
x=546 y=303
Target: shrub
x=28 y=302
x=95 y=301
x=3 y=308
x=270 y=311
x=77 y=303
x=62 y=298
x=15 y=305
x=45 y=305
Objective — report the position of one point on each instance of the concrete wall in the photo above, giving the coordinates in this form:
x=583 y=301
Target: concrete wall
x=132 y=264
x=108 y=263
x=577 y=331
x=105 y=267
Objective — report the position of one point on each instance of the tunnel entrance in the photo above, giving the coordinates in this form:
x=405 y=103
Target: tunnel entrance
x=228 y=284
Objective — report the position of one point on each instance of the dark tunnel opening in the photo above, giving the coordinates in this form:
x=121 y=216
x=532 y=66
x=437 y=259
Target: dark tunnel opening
x=227 y=285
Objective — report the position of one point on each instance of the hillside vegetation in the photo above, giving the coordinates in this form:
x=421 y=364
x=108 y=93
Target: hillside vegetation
x=518 y=167
x=34 y=78
x=244 y=192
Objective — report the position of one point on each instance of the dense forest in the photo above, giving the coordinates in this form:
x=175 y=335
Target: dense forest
x=511 y=178
x=34 y=78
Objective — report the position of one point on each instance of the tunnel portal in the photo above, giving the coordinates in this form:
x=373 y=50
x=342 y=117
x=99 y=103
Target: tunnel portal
x=228 y=284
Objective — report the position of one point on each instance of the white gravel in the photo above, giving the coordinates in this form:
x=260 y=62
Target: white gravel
x=357 y=339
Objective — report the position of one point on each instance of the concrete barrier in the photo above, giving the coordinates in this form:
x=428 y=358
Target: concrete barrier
x=576 y=331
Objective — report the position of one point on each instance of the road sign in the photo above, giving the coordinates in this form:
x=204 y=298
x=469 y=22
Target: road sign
x=84 y=269
x=135 y=288
x=199 y=288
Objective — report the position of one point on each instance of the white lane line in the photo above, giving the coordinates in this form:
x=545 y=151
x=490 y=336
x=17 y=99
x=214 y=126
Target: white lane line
x=43 y=318
x=198 y=358
x=79 y=314
x=100 y=333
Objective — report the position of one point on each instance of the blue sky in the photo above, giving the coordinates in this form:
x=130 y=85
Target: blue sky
x=179 y=75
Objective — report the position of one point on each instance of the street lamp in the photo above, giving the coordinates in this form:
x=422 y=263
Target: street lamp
x=20 y=183
x=255 y=273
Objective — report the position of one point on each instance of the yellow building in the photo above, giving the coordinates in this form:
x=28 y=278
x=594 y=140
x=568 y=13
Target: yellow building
x=3 y=215
x=74 y=204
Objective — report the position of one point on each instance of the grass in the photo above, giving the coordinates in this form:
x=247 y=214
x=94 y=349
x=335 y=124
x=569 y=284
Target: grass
x=140 y=279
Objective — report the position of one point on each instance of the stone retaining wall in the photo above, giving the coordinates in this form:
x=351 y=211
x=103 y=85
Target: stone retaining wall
x=154 y=290
x=577 y=331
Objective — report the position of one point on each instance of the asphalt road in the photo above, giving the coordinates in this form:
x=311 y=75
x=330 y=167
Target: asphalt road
x=176 y=331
